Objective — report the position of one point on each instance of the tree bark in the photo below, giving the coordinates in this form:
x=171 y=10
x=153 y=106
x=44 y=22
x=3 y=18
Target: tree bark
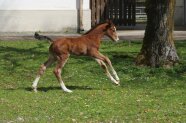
x=158 y=47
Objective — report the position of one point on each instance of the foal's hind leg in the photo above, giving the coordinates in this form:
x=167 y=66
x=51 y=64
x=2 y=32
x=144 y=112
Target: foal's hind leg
x=61 y=62
x=41 y=71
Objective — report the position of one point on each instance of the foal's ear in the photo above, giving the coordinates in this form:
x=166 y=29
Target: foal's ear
x=109 y=22
x=107 y=27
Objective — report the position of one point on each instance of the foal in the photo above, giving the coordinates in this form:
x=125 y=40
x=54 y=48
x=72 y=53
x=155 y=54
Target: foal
x=87 y=44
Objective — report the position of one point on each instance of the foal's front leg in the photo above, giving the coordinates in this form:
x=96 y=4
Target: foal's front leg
x=108 y=62
x=103 y=60
x=103 y=65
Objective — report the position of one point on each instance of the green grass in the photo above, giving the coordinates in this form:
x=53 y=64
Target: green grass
x=145 y=95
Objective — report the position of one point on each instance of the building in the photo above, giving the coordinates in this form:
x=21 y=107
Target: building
x=62 y=15
x=180 y=13
x=42 y=15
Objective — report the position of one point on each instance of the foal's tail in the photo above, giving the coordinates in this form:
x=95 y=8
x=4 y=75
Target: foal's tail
x=42 y=37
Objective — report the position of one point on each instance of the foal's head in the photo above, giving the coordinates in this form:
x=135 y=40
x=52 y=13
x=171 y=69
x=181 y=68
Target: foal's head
x=107 y=28
x=111 y=31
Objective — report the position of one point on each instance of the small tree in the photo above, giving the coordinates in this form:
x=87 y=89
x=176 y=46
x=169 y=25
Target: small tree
x=158 y=46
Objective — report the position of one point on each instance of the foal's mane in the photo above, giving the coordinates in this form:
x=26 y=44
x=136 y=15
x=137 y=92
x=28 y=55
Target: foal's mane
x=94 y=28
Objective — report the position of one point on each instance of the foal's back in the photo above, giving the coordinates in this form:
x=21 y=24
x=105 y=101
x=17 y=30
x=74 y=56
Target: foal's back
x=81 y=45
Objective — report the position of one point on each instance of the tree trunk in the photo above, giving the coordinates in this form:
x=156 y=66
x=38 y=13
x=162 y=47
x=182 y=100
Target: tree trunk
x=158 y=46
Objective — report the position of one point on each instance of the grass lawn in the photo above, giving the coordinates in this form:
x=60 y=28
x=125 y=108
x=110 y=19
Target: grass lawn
x=145 y=95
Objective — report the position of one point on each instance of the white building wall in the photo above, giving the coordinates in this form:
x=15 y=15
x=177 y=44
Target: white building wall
x=42 y=4
x=42 y=15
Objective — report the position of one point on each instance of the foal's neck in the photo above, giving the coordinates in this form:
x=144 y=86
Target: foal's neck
x=97 y=31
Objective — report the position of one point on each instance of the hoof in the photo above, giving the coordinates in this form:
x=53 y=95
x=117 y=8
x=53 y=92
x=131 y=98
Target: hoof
x=68 y=91
x=118 y=84
x=35 y=90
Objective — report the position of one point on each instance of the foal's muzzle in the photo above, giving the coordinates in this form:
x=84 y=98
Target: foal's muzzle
x=116 y=39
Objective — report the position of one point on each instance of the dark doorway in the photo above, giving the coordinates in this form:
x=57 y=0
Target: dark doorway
x=121 y=12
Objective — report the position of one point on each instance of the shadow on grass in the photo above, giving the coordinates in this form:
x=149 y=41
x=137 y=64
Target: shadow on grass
x=182 y=69
x=16 y=56
x=45 y=89
x=21 y=51
x=180 y=44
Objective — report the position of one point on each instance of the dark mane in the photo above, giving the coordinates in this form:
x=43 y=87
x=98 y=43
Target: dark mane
x=94 y=28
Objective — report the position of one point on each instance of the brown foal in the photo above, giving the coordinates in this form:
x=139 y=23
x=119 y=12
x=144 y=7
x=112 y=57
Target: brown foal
x=87 y=44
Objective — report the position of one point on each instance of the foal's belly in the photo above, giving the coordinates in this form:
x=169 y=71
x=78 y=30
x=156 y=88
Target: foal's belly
x=79 y=50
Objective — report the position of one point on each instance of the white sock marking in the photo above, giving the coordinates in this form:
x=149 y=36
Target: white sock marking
x=64 y=87
x=35 y=82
